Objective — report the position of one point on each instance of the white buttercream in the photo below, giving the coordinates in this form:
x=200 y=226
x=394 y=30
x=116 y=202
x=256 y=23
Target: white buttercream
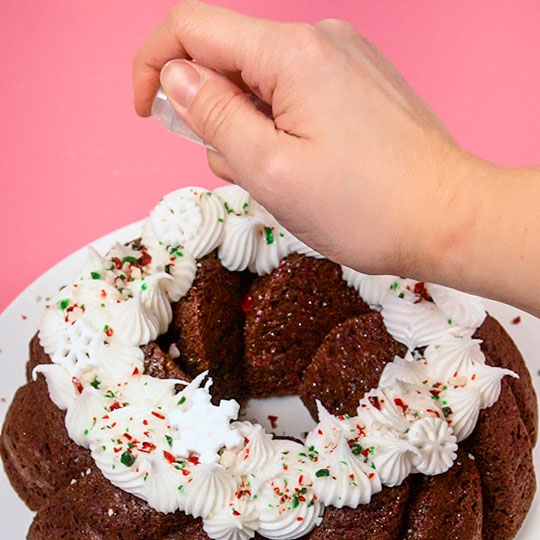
x=436 y=445
x=392 y=456
x=416 y=322
x=59 y=382
x=237 y=521
x=464 y=403
x=83 y=414
x=407 y=370
x=210 y=489
x=465 y=309
x=134 y=323
x=373 y=289
x=348 y=482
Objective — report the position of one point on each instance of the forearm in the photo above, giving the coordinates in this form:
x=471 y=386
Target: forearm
x=490 y=242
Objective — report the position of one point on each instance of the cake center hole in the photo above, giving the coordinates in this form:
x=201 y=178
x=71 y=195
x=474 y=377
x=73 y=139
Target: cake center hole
x=282 y=416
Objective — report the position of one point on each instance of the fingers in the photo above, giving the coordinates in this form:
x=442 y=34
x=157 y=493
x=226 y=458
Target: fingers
x=219 y=112
x=218 y=38
x=220 y=166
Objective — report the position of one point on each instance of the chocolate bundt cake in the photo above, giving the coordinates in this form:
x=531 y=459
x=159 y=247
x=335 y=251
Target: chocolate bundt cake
x=126 y=428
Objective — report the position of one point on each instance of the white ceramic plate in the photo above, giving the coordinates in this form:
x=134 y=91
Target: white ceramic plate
x=20 y=321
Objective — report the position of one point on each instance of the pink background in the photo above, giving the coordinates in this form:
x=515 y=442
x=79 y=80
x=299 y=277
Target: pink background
x=76 y=162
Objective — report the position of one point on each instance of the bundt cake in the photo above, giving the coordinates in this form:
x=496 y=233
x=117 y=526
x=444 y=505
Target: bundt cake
x=128 y=425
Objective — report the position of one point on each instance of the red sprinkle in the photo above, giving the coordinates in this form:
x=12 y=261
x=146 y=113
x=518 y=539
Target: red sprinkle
x=436 y=413
x=116 y=405
x=185 y=472
x=401 y=405
x=158 y=415
x=517 y=320
x=299 y=518
x=421 y=291
x=246 y=304
x=236 y=513
x=24 y=317
x=194 y=460
x=273 y=420
x=77 y=384
x=374 y=402
x=145 y=258
x=136 y=371
x=145 y=422
x=109 y=332
x=169 y=457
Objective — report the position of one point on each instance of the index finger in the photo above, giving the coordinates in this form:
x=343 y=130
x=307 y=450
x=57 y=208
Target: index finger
x=216 y=37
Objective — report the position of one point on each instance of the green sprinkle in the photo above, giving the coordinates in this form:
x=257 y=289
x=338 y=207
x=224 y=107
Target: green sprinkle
x=182 y=400
x=180 y=487
x=447 y=411
x=127 y=458
x=220 y=219
x=104 y=447
x=269 y=235
x=169 y=439
x=176 y=251
x=401 y=295
x=281 y=234
x=63 y=304
x=109 y=394
x=95 y=383
x=449 y=321
x=95 y=275
x=86 y=432
x=129 y=259
x=228 y=208
x=311 y=503
x=394 y=286
x=356 y=449
x=245 y=207
x=295 y=502
x=322 y=472
x=144 y=286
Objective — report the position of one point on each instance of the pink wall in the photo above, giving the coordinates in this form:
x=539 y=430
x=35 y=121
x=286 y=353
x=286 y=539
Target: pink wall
x=76 y=163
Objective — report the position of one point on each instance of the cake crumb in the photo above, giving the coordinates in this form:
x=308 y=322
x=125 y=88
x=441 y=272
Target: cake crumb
x=273 y=420
x=173 y=351
x=24 y=317
x=110 y=512
x=38 y=298
x=3 y=399
x=516 y=320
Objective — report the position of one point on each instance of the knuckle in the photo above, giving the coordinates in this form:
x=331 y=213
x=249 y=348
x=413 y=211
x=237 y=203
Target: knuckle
x=273 y=166
x=338 y=26
x=308 y=38
x=215 y=112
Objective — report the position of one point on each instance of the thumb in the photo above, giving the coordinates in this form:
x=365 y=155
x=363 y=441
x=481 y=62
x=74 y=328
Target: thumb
x=218 y=111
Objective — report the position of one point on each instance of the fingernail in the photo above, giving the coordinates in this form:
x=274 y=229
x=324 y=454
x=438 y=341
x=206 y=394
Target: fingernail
x=180 y=81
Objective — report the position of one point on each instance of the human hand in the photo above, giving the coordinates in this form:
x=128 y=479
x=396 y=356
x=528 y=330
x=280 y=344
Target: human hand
x=354 y=162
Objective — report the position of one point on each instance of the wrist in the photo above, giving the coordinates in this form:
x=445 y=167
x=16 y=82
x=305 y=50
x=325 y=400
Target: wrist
x=451 y=220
